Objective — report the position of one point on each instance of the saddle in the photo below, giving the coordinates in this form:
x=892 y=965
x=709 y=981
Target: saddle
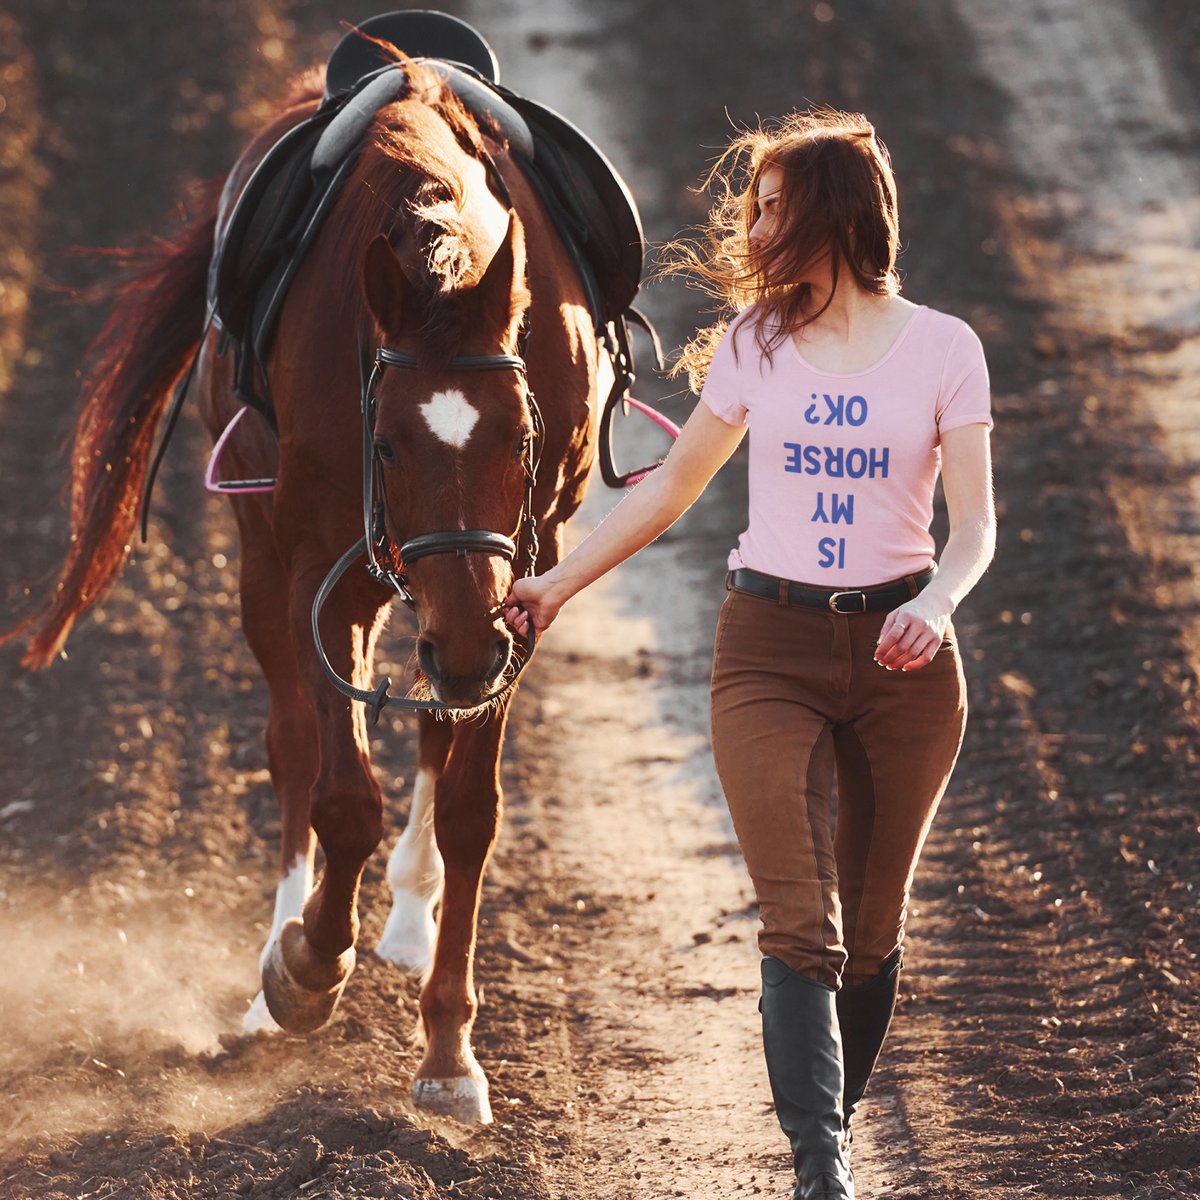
x=263 y=233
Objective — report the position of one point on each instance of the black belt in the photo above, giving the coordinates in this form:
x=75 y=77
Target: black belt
x=859 y=600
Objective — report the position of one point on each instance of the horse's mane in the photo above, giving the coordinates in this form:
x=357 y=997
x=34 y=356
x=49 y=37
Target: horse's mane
x=405 y=184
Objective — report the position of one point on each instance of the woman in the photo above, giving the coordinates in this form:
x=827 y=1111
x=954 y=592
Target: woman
x=834 y=648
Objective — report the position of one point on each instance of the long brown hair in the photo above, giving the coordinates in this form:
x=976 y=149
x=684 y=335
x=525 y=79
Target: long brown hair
x=838 y=198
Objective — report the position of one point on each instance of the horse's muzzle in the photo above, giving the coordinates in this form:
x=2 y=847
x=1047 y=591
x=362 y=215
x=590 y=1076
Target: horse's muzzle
x=454 y=685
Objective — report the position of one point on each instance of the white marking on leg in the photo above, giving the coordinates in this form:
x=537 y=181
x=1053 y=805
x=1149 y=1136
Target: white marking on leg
x=415 y=873
x=451 y=417
x=290 y=895
x=259 y=1019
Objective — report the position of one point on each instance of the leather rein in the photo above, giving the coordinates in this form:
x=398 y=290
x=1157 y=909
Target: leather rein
x=461 y=541
x=375 y=541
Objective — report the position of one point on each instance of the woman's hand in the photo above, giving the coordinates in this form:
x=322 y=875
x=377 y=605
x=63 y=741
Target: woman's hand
x=911 y=635
x=528 y=600
x=704 y=443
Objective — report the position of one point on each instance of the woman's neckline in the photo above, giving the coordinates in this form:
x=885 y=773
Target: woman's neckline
x=896 y=341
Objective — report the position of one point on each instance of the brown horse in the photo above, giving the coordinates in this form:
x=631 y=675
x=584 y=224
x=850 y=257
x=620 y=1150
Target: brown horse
x=420 y=254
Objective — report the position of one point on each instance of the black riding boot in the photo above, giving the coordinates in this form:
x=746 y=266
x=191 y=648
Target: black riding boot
x=804 y=1063
x=864 y=1014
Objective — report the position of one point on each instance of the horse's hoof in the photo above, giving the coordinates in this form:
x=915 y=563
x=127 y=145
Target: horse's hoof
x=465 y=1099
x=258 y=1019
x=301 y=987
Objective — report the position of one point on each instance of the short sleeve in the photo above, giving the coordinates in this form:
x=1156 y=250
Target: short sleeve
x=722 y=386
x=965 y=395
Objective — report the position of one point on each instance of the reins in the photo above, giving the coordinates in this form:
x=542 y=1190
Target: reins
x=461 y=542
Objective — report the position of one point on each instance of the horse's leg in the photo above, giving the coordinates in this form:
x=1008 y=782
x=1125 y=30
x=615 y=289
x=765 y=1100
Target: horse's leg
x=415 y=869
x=314 y=956
x=466 y=818
x=291 y=734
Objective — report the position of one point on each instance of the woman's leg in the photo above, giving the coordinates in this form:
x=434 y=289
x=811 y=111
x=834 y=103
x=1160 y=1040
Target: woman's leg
x=894 y=752
x=803 y=1049
x=774 y=676
x=864 y=1015
x=773 y=686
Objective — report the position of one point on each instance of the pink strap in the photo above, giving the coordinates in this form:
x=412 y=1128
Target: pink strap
x=657 y=417
x=232 y=485
x=659 y=420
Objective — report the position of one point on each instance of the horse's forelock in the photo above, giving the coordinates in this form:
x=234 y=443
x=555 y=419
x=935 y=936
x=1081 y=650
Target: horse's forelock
x=441 y=235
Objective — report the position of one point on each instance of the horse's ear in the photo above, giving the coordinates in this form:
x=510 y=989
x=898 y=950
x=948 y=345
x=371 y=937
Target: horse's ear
x=501 y=295
x=386 y=285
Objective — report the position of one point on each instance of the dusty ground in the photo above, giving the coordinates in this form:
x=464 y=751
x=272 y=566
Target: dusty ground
x=1046 y=1043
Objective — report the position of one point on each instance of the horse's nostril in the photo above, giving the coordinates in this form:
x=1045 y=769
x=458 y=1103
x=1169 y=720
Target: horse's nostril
x=427 y=659
x=500 y=653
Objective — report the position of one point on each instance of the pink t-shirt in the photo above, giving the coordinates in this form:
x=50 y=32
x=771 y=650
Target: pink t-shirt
x=843 y=467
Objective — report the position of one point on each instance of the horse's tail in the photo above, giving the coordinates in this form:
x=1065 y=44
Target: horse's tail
x=143 y=348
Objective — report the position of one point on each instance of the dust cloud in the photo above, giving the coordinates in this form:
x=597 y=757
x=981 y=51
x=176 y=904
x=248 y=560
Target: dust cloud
x=106 y=1024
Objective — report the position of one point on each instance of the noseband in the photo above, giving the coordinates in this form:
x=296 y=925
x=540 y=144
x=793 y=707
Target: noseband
x=456 y=541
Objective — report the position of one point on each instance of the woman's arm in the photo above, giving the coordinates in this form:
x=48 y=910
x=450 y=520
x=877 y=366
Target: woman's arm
x=704 y=443
x=912 y=634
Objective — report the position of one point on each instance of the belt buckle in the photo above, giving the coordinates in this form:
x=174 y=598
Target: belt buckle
x=836 y=596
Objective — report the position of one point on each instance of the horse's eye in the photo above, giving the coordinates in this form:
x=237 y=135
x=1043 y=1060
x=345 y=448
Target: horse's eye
x=523 y=436
x=386 y=451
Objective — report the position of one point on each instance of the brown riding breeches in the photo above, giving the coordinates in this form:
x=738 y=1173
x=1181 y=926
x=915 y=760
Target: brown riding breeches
x=796 y=693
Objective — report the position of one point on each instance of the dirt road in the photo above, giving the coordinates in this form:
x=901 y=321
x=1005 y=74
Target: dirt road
x=1046 y=1042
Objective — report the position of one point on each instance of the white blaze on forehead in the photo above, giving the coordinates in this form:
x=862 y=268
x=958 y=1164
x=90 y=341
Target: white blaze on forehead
x=451 y=417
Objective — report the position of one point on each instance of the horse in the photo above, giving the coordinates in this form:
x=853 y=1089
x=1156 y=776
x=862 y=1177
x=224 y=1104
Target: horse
x=421 y=265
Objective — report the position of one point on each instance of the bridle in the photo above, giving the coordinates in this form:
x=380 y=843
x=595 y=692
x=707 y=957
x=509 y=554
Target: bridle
x=378 y=547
